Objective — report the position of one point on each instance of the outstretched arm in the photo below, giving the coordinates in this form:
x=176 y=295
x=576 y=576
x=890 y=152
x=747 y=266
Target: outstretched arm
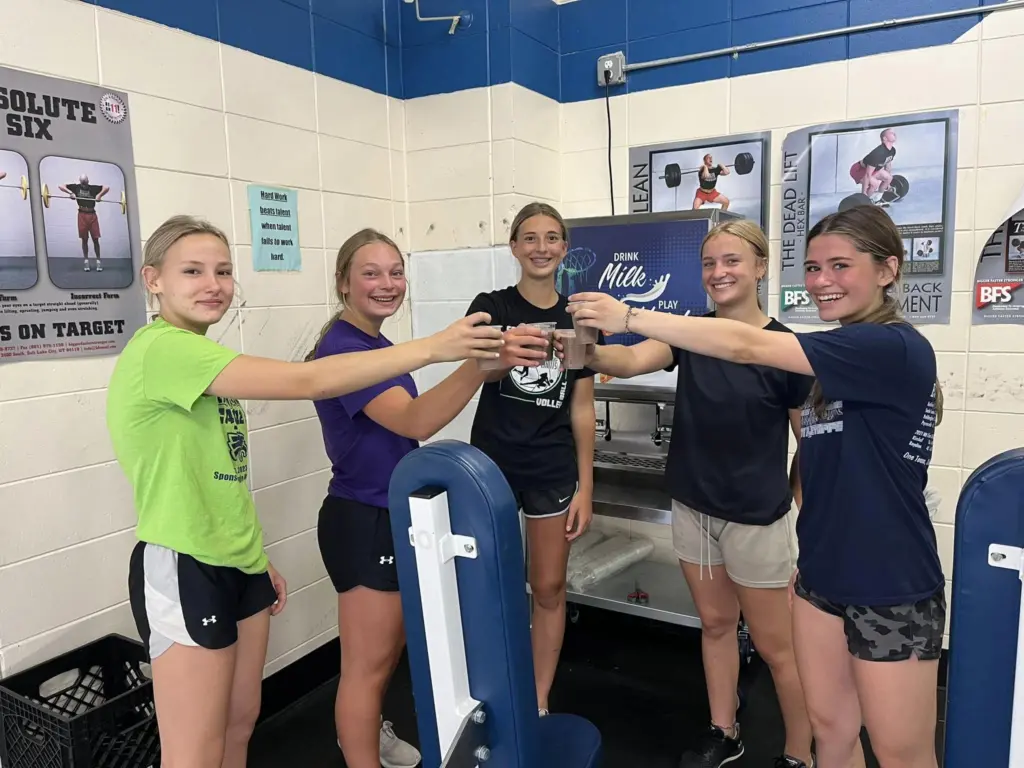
x=257 y=378
x=624 y=362
x=422 y=417
x=715 y=337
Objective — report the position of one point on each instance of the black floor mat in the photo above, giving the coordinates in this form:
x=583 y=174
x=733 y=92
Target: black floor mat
x=640 y=682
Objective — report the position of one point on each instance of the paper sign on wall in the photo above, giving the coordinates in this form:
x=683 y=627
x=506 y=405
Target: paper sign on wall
x=70 y=247
x=999 y=274
x=725 y=172
x=274 y=215
x=906 y=166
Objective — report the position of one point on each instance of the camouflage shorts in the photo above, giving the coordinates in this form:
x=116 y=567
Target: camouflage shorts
x=891 y=632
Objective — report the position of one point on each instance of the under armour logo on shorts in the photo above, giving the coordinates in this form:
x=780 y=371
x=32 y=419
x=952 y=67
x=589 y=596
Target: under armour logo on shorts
x=209 y=621
x=387 y=560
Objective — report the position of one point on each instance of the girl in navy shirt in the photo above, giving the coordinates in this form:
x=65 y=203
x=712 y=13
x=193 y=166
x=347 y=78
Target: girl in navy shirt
x=871 y=612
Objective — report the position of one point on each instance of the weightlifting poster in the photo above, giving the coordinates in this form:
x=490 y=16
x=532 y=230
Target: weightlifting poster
x=905 y=165
x=649 y=262
x=999 y=274
x=729 y=173
x=69 y=232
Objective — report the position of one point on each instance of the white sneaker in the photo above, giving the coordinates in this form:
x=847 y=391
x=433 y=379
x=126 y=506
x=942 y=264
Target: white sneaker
x=395 y=753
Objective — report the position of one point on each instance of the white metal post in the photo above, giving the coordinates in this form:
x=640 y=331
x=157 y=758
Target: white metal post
x=436 y=549
x=1012 y=558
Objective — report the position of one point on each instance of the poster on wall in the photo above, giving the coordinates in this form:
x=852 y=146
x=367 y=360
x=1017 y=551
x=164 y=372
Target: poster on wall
x=69 y=243
x=727 y=173
x=648 y=261
x=274 y=217
x=999 y=274
x=905 y=165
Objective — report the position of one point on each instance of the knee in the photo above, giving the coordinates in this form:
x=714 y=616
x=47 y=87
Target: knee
x=242 y=721
x=777 y=651
x=548 y=593
x=900 y=749
x=717 y=624
x=832 y=727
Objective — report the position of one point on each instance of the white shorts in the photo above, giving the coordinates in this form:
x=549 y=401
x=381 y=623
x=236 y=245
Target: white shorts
x=756 y=556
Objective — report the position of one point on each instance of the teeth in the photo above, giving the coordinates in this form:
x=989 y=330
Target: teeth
x=830 y=297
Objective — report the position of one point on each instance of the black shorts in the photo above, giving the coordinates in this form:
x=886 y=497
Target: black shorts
x=177 y=599
x=547 y=503
x=891 y=632
x=356 y=545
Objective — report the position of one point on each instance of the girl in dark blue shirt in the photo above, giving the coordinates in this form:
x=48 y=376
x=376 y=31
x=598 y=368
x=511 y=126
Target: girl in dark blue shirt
x=871 y=612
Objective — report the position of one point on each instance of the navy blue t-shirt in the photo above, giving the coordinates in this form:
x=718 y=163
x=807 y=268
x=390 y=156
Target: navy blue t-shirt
x=865 y=534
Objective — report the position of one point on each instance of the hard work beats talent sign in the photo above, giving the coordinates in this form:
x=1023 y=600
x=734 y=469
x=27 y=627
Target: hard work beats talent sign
x=69 y=232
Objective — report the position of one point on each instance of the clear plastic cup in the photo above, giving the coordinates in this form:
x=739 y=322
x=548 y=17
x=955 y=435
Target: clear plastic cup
x=549 y=329
x=574 y=350
x=584 y=333
x=490 y=363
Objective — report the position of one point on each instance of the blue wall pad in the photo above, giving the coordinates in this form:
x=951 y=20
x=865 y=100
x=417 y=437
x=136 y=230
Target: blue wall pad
x=985 y=611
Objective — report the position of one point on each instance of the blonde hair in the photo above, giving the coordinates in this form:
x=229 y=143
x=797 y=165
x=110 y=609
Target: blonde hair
x=342 y=268
x=170 y=232
x=870 y=231
x=749 y=232
x=537 y=209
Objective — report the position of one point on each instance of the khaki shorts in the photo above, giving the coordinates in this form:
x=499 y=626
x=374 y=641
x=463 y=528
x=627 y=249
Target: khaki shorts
x=756 y=556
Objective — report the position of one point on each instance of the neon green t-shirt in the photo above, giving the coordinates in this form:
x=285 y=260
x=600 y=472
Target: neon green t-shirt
x=186 y=453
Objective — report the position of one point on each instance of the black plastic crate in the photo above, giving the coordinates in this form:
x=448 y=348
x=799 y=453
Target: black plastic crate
x=89 y=708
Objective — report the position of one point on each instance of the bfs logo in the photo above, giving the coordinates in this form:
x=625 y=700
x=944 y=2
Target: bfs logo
x=793 y=297
x=986 y=294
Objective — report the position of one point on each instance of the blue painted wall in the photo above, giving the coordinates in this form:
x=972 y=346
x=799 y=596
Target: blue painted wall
x=653 y=29
x=551 y=49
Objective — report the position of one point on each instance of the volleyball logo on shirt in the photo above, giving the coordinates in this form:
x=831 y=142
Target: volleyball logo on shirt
x=537 y=380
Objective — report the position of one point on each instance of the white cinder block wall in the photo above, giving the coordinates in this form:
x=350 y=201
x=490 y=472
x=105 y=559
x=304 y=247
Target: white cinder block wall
x=444 y=175
x=203 y=128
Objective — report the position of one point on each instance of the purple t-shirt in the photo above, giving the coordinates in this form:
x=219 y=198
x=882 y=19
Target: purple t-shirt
x=363 y=454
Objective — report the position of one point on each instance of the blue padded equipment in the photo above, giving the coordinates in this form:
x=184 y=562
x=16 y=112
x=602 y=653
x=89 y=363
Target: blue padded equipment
x=984 y=616
x=495 y=614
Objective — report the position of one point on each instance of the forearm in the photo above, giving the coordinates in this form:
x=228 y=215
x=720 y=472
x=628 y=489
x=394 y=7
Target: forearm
x=715 y=337
x=337 y=375
x=615 y=360
x=435 y=408
x=794 y=479
x=583 y=432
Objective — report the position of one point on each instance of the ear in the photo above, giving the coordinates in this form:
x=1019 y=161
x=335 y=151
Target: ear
x=761 y=271
x=888 y=274
x=151 y=278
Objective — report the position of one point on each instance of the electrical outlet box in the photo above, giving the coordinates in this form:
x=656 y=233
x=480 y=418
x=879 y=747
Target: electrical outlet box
x=614 y=64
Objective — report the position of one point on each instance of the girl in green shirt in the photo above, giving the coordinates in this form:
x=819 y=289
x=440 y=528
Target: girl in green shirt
x=202 y=589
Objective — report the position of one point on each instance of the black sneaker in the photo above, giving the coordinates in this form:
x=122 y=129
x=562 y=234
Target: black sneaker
x=714 y=749
x=791 y=762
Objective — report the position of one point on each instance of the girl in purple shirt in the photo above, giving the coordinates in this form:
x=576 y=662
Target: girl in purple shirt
x=366 y=433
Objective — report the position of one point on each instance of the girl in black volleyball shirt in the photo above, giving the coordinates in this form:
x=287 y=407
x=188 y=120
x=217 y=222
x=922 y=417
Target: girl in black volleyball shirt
x=537 y=425
x=870 y=611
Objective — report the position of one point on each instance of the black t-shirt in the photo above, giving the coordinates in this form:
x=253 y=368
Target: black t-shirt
x=866 y=537
x=86 y=194
x=523 y=420
x=730 y=436
x=879 y=157
x=709 y=181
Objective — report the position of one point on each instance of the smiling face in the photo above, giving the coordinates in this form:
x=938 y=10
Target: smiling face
x=845 y=283
x=730 y=269
x=539 y=246
x=193 y=282
x=373 y=284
